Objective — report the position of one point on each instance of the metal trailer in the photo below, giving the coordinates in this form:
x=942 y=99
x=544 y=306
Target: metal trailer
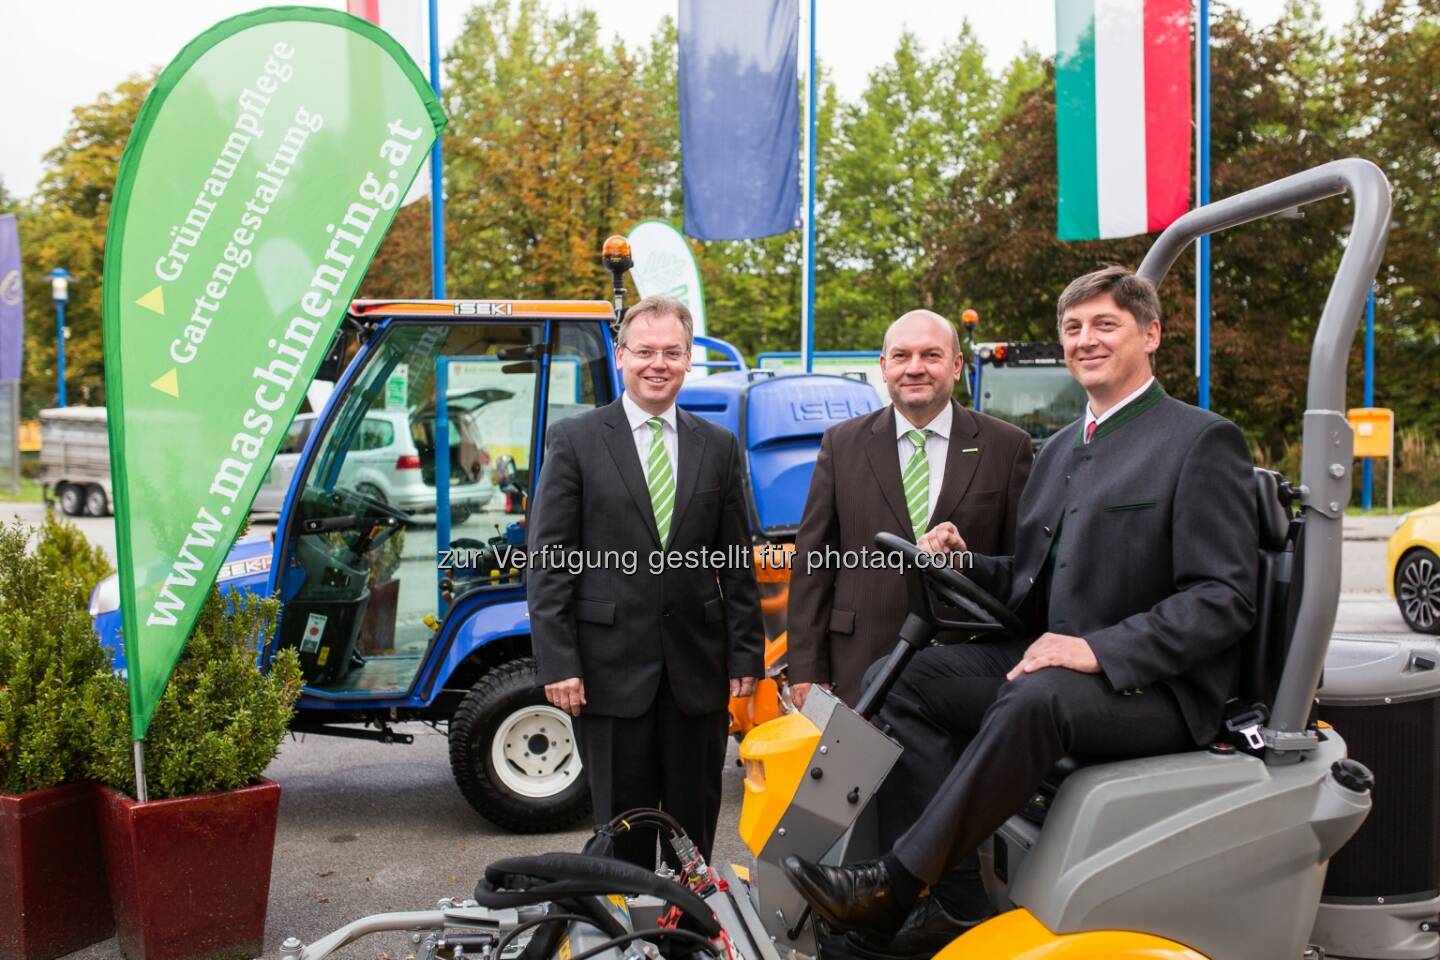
x=75 y=459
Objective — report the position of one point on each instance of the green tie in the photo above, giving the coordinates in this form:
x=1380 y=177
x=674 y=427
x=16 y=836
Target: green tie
x=661 y=479
x=917 y=481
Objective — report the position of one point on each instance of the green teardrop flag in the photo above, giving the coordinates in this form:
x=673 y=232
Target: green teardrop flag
x=262 y=173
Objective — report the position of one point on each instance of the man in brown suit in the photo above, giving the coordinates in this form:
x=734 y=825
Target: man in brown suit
x=902 y=469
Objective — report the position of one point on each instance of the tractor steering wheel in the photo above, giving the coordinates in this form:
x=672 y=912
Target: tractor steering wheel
x=375 y=508
x=989 y=613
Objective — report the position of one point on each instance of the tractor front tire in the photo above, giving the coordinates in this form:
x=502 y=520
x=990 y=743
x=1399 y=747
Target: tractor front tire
x=514 y=756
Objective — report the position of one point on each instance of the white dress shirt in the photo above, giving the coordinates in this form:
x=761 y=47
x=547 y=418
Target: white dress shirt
x=1090 y=415
x=640 y=430
x=937 y=446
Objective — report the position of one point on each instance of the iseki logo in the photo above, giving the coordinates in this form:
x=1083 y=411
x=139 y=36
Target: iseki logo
x=823 y=410
x=483 y=308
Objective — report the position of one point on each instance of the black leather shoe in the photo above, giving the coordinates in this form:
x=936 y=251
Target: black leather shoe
x=927 y=930
x=857 y=896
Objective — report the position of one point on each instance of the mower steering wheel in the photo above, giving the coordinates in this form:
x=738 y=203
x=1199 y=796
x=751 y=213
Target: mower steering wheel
x=959 y=591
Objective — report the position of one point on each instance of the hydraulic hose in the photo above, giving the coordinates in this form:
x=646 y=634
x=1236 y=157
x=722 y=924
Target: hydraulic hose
x=511 y=934
x=521 y=881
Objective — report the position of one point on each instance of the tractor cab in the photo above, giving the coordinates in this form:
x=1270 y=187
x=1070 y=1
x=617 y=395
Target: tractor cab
x=400 y=505
x=1025 y=383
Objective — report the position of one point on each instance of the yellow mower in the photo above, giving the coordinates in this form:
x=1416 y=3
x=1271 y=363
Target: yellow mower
x=1218 y=853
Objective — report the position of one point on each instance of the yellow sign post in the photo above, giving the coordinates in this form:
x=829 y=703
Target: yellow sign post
x=1375 y=437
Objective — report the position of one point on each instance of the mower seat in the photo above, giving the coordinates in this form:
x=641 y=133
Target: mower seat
x=1263 y=650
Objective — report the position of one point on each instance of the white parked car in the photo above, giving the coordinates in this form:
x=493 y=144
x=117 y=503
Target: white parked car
x=390 y=459
x=271 y=496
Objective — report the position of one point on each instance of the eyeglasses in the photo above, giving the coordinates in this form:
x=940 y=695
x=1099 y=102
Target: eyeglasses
x=672 y=355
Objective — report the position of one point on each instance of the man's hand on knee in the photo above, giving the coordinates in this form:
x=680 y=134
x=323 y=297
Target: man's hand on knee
x=568 y=695
x=1056 y=650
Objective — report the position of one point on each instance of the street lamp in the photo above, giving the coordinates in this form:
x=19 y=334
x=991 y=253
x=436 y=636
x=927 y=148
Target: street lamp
x=60 y=292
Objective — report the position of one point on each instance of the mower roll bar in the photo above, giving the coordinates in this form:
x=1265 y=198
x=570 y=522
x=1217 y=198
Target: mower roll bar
x=1327 y=443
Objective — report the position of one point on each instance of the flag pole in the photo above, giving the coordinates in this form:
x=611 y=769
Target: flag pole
x=1367 y=469
x=142 y=793
x=1202 y=194
x=807 y=331
x=437 y=173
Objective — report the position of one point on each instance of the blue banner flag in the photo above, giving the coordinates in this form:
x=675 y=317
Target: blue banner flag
x=740 y=117
x=12 y=306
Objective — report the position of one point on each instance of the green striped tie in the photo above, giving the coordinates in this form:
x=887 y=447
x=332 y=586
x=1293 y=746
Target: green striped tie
x=917 y=481
x=661 y=479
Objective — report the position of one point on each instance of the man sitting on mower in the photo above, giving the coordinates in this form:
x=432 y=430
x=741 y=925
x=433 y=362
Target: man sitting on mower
x=1134 y=572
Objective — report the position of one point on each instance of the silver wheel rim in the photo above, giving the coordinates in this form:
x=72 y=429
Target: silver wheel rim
x=1419 y=591
x=533 y=752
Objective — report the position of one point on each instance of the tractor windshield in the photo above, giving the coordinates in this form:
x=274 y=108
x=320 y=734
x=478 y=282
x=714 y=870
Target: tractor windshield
x=417 y=483
x=1039 y=400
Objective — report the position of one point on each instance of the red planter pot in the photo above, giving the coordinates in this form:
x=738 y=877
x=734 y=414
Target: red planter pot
x=190 y=877
x=53 y=899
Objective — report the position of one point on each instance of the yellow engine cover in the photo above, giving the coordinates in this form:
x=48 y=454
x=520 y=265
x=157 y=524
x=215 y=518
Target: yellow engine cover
x=1017 y=935
x=776 y=756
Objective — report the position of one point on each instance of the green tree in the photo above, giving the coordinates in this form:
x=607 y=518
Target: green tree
x=555 y=145
x=920 y=122
x=64 y=226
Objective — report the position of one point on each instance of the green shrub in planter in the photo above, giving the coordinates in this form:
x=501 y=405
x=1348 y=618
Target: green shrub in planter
x=221 y=720
x=64 y=551
x=48 y=653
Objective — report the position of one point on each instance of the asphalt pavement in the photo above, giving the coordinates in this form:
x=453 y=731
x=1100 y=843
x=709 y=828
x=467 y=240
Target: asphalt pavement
x=369 y=828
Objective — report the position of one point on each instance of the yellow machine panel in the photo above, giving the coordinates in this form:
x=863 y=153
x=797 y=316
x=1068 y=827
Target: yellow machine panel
x=776 y=756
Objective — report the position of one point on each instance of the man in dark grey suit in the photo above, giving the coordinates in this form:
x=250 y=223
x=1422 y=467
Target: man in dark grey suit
x=636 y=634
x=1135 y=568
x=968 y=471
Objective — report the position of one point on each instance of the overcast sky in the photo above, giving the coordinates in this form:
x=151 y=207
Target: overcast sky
x=62 y=53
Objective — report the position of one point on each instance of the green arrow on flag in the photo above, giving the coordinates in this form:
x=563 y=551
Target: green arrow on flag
x=263 y=171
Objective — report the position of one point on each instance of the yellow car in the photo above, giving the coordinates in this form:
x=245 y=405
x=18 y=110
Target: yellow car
x=1415 y=568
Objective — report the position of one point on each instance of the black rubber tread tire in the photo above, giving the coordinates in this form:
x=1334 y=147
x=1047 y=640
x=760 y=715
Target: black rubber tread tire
x=71 y=498
x=493 y=697
x=92 y=491
x=1411 y=556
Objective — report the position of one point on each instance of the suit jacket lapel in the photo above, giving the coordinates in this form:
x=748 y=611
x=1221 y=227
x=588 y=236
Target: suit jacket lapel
x=884 y=458
x=691 y=450
x=621 y=444
x=960 y=467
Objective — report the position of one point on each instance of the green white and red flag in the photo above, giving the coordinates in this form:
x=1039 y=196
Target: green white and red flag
x=1122 y=115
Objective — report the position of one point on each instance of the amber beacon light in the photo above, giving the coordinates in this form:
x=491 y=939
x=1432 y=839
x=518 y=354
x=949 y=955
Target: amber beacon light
x=615 y=254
